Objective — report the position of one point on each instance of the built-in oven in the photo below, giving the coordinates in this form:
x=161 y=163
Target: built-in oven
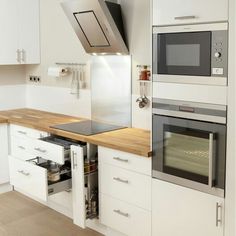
x=189 y=144
x=195 y=54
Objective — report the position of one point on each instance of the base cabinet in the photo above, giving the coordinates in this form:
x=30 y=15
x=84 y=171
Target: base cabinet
x=181 y=211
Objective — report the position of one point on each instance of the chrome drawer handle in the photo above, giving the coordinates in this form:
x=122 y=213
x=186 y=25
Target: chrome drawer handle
x=120 y=159
x=218 y=215
x=185 y=17
x=21 y=132
x=121 y=180
x=40 y=150
x=23 y=173
x=121 y=213
x=21 y=147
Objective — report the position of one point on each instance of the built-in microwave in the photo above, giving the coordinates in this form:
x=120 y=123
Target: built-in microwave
x=189 y=144
x=195 y=54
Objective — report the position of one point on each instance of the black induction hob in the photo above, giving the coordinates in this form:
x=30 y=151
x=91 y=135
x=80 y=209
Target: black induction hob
x=87 y=127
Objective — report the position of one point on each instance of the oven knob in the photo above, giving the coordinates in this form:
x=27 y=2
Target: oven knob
x=217 y=54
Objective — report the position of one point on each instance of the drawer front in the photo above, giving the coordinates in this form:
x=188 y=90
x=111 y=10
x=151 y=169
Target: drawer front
x=48 y=151
x=126 y=185
x=125 y=218
x=20 y=148
x=29 y=178
x=20 y=131
x=125 y=160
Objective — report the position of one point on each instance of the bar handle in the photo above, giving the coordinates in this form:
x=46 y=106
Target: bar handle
x=40 y=150
x=74 y=160
x=120 y=159
x=121 y=213
x=211 y=160
x=218 y=214
x=121 y=180
x=185 y=17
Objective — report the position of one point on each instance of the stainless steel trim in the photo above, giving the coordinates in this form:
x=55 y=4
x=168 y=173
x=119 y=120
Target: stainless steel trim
x=188 y=183
x=121 y=180
x=191 y=104
x=121 y=213
x=40 y=150
x=218 y=220
x=190 y=28
x=120 y=159
x=187 y=79
x=185 y=17
x=211 y=143
x=193 y=116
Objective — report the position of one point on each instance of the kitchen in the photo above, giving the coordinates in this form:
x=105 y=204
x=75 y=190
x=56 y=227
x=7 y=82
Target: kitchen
x=59 y=44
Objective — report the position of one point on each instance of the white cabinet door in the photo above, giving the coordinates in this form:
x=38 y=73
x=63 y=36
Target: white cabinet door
x=29 y=39
x=9 y=32
x=181 y=211
x=4 y=169
x=78 y=193
x=172 y=12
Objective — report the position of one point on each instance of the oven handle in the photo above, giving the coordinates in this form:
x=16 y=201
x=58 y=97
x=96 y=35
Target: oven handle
x=211 y=160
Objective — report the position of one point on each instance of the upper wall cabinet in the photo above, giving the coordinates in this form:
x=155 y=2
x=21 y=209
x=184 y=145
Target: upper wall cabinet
x=174 y=12
x=19 y=25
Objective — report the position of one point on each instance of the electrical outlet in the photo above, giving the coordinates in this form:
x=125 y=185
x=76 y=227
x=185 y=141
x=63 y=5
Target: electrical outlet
x=35 y=79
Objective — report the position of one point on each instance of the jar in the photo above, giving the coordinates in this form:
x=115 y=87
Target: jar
x=144 y=73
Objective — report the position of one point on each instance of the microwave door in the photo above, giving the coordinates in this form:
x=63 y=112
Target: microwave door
x=186 y=53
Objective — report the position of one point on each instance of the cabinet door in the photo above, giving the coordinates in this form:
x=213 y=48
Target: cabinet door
x=171 y=12
x=29 y=39
x=4 y=173
x=78 y=193
x=181 y=211
x=9 y=32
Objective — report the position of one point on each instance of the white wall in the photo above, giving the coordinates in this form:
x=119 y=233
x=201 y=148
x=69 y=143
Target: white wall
x=59 y=43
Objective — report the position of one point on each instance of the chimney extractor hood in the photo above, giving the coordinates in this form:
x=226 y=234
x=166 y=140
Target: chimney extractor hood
x=98 y=24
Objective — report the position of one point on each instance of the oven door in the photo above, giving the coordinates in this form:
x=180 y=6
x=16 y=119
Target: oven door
x=190 y=153
x=187 y=53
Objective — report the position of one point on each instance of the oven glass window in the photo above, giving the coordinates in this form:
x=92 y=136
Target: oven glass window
x=186 y=153
x=183 y=55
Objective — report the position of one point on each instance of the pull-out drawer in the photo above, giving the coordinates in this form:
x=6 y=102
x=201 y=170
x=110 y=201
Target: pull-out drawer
x=20 y=148
x=125 y=160
x=126 y=185
x=125 y=218
x=52 y=148
x=23 y=132
x=33 y=179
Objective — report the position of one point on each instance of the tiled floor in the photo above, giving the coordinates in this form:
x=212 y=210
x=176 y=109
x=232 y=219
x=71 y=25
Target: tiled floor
x=21 y=216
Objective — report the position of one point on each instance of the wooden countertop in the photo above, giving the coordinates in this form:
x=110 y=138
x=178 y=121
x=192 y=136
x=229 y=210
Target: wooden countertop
x=132 y=140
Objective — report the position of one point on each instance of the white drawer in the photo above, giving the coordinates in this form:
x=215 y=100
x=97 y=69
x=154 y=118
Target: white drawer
x=125 y=160
x=126 y=185
x=125 y=218
x=48 y=151
x=20 y=148
x=20 y=131
x=33 y=180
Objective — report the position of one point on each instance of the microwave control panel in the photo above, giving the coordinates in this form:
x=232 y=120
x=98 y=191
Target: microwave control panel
x=219 y=57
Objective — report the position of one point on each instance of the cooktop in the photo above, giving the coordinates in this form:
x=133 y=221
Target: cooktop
x=88 y=127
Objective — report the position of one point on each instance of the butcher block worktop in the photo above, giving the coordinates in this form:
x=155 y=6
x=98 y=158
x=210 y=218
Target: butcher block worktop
x=132 y=140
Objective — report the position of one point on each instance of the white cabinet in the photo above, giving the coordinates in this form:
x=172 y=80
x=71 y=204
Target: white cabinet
x=172 y=12
x=4 y=173
x=19 y=24
x=181 y=211
x=125 y=192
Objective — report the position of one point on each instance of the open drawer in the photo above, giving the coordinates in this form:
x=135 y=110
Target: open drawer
x=33 y=179
x=52 y=148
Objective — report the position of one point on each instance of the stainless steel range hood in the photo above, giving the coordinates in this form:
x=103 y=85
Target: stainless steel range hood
x=98 y=24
